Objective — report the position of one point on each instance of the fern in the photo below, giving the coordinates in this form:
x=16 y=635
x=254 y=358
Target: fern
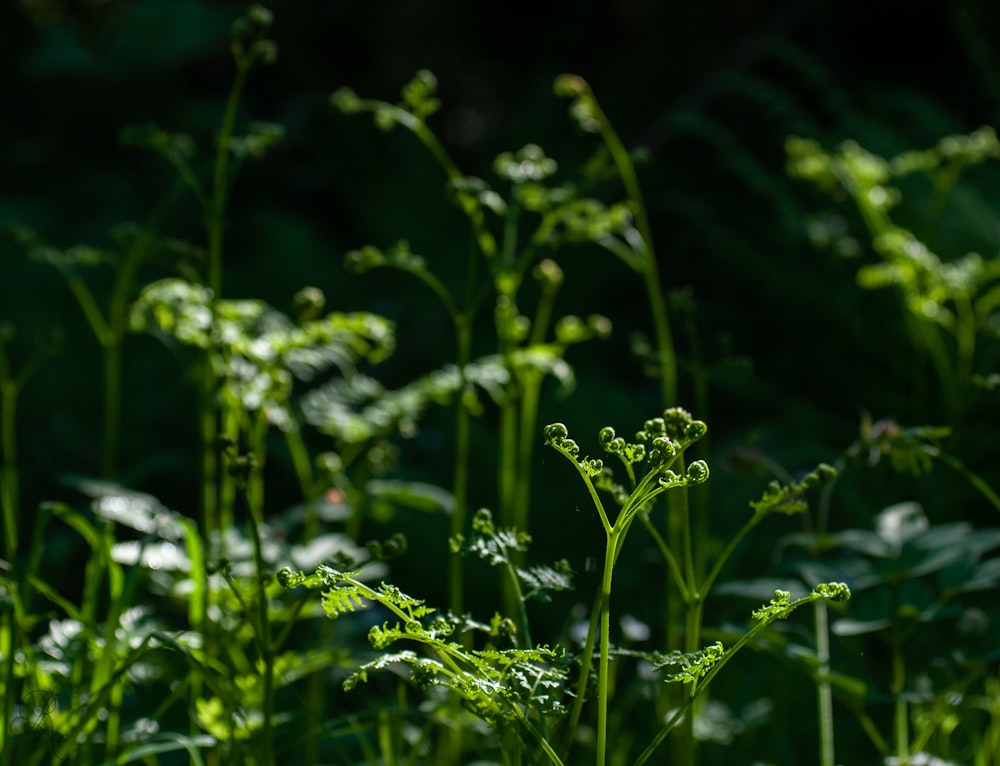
x=787 y=498
x=692 y=666
x=343 y=600
x=540 y=581
x=501 y=686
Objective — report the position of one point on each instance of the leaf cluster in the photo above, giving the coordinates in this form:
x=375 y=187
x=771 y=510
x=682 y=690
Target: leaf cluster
x=257 y=351
x=493 y=683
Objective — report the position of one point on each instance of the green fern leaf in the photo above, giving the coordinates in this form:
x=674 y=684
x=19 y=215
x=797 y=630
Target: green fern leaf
x=343 y=600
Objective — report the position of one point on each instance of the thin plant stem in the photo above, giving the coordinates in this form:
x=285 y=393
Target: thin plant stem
x=530 y=394
x=973 y=478
x=702 y=684
x=824 y=691
x=677 y=518
x=255 y=503
x=508 y=478
x=208 y=399
x=460 y=493
x=303 y=472
x=901 y=727
x=583 y=678
x=118 y=312
x=460 y=485
x=654 y=292
x=220 y=178
x=604 y=651
x=263 y=633
x=10 y=389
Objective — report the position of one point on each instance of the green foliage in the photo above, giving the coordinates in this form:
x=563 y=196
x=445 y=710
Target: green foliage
x=134 y=633
x=787 y=499
x=943 y=292
x=493 y=683
x=257 y=351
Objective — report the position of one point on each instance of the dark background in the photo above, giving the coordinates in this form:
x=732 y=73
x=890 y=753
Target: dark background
x=795 y=350
x=711 y=90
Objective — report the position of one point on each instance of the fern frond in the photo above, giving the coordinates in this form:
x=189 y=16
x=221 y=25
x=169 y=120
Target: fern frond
x=691 y=665
x=539 y=581
x=380 y=663
x=343 y=600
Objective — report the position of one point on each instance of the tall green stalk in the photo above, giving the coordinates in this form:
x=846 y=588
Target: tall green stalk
x=15 y=623
x=250 y=46
x=266 y=650
x=824 y=689
x=681 y=626
x=667 y=442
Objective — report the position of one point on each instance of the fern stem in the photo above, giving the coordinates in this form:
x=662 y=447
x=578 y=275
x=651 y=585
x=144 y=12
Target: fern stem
x=824 y=690
x=604 y=652
x=9 y=391
x=460 y=486
x=901 y=727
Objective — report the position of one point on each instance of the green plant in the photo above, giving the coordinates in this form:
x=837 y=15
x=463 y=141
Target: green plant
x=510 y=250
x=918 y=586
x=247 y=356
x=535 y=218
x=525 y=691
x=16 y=618
x=134 y=633
x=945 y=296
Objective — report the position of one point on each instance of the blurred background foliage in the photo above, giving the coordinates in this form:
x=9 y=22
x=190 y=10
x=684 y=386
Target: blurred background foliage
x=792 y=351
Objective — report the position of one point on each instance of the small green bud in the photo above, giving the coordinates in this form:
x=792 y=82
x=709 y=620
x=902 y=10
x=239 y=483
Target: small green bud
x=605 y=437
x=285 y=577
x=365 y=259
x=669 y=479
x=528 y=164
x=503 y=631
x=380 y=637
x=555 y=433
x=385 y=117
x=423 y=85
x=599 y=325
x=776 y=609
x=346 y=100
x=834 y=591
x=593 y=467
x=661 y=451
x=634 y=453
x=826 y=474
x=418 y=94
x=654 y=427
x=260 y=15
x=697 y=472
x=308 y=303
x=482 y=522
x=570 y=329
x=570 y=85
x=676 y=421
x=414 y=628
x=265 y=50
x=548 y=272
x=695 y=430
x=330 y=463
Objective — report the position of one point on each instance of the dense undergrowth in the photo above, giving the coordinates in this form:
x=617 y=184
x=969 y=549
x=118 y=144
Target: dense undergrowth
x=420 y=565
